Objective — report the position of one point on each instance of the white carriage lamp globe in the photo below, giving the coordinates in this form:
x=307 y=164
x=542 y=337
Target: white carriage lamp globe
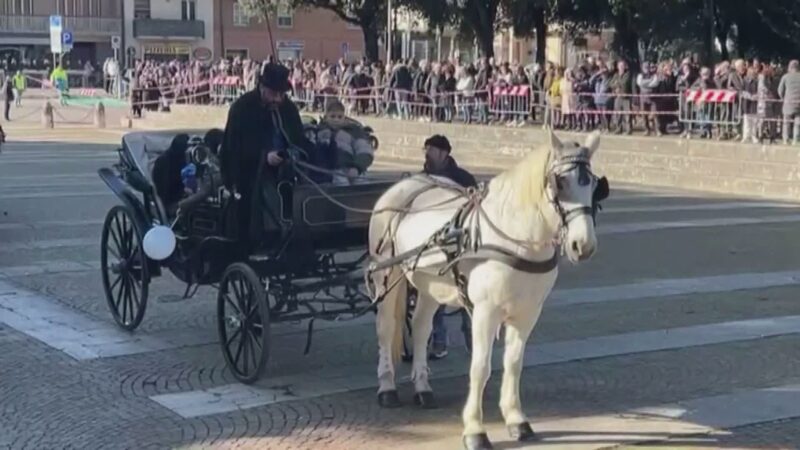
x=159 y=242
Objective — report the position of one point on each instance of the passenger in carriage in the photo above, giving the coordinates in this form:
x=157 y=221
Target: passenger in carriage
x=344 y=144
x=188 y=171
x=263 y=125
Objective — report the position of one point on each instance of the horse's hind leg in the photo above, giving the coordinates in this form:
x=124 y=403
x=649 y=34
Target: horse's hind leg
x=518 y=328
x=421 y=326
x=485 y=322
x=387 y=327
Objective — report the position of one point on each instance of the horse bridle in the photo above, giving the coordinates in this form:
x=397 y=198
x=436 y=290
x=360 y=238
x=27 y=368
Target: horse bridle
x=601 y=189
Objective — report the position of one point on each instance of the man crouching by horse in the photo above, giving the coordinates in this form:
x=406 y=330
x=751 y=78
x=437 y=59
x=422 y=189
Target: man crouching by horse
x=439 y=161
x=263 y=126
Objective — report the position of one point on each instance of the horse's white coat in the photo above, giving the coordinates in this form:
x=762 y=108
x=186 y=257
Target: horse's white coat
x=518 y=204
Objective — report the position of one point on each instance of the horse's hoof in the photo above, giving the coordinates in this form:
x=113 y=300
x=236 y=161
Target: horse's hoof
x=522 y=432
x=477 y=442
x=388 y=399
x=425 y=400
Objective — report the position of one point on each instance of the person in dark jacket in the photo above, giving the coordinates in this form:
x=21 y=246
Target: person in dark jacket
x=439 y=162
x=263 y=127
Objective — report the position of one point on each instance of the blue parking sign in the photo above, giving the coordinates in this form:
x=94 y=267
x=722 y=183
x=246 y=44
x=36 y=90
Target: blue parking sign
x=66 y=37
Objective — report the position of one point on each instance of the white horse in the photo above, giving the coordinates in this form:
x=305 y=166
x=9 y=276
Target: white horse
x=528 y=212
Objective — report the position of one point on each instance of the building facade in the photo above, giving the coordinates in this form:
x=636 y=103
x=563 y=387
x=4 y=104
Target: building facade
x=304 y=33
x=168 y=29
x=25 y=29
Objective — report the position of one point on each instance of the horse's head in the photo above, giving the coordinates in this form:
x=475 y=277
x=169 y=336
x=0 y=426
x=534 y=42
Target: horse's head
x=575 y=193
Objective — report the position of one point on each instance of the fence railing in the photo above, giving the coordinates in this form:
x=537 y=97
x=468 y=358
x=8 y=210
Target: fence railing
x=707 y=113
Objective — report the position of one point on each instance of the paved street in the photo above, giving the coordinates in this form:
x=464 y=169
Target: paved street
x=682 y=332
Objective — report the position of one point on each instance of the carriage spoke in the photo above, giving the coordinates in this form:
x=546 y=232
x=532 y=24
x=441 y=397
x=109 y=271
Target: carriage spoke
x=124 y=300
x=134 y=295
x=253 y=351
x=123 y=248
x=231 y=302
x=246 y=339
x=116 y=238
x=233 y=336
x=114 y=253
x=239 y=350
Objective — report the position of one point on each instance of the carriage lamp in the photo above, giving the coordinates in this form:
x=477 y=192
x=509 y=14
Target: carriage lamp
x=159 y=242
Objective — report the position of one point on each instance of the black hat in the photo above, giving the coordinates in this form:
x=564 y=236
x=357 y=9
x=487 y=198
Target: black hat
x=438 y=141
x=275 y=77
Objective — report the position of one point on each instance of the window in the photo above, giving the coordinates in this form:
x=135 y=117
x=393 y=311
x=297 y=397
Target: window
x=234 y=52
x=188 y=10
x=285 y=17
x=16 y=7
x=241 y=18
x=141 y=9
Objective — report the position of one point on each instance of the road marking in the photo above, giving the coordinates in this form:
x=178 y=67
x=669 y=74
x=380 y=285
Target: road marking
x=49 y=187
x=698 y=207
x=50 y=244
x=55 y=194
x=48 y=267
x=60 y=161
x=49 y=223
x=314 y=384
x=706 y=416
x=673 y=286
x=636 y=227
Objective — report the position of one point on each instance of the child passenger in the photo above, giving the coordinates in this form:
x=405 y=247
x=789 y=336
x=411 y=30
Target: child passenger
x=350 y=142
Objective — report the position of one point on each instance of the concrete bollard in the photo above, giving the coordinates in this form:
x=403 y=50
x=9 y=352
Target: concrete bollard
x=47 y=115
x=100 y=115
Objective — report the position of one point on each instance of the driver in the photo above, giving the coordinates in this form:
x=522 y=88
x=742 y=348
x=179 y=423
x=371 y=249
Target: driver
x=263 y=125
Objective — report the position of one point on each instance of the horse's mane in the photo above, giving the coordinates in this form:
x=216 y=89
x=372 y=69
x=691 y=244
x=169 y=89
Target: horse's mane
x=526 y=180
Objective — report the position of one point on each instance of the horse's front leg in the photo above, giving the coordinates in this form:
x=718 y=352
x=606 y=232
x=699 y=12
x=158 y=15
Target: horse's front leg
x=485 y=321
x=518 y=329
x=421 y=326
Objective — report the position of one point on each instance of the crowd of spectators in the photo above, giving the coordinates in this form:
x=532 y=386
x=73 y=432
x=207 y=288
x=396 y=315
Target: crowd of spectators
x=594 y=94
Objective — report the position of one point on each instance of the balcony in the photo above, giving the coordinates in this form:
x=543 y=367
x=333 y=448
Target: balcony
x=166 y=28
x=81 y=26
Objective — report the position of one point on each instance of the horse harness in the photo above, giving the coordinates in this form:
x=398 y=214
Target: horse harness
x=460 y=241
x=460 y=238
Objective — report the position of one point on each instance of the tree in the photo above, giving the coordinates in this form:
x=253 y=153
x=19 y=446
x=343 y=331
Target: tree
x=262 y=10
x=369 y=15
x=473 y=18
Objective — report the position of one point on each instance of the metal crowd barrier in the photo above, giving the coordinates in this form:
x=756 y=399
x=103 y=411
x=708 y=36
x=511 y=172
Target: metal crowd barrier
x=711 y=112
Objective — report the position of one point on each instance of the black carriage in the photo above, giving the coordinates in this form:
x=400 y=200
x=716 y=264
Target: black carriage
x=311 y=272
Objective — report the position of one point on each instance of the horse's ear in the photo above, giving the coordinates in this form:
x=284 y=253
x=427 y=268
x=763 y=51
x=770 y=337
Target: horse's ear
x=555 y=143
x=593 y=142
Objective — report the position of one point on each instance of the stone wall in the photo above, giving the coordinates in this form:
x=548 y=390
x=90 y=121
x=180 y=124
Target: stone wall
x=746 y=170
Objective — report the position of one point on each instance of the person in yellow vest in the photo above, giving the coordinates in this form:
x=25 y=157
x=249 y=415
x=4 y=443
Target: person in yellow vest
x=20 y=84
x=60 y=82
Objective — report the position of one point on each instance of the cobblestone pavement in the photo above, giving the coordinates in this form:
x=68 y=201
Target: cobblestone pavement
x=689 y=275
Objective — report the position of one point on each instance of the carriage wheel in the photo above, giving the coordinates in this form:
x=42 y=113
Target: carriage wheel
x=124 y=268
x=243 y=322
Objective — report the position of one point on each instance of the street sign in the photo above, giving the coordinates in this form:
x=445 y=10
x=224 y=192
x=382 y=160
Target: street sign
x=55 y=34
x=66 y=41
x=116 y=42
